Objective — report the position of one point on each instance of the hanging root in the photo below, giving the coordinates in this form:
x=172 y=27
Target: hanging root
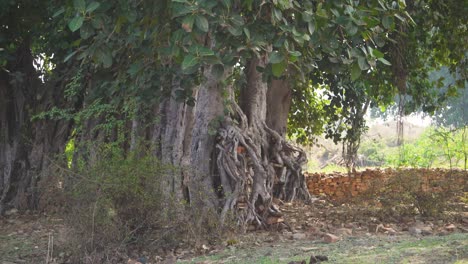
x=254 y=163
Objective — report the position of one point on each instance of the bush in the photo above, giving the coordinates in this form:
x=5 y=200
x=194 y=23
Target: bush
x=118 y=201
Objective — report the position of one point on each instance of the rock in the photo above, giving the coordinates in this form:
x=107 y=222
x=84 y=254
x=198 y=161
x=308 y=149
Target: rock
x=414 y=231
x=419 y=229
x=330 y=238
x=11 y=212
x=313 y=259
x=274 y=219
x=251 y=227
x=450 y=228
x=132 y=261
x=317 y=259
x=344 y=231
x=386 y=230
x=298 y=262
x=298 y=236
x=372 y=228
x=426 y=231
x=390 y=231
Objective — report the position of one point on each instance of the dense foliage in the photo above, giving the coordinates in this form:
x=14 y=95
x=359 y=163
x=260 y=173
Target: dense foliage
x=198 y=79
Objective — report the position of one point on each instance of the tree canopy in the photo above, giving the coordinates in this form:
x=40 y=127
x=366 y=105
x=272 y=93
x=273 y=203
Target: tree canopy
x=213 y=86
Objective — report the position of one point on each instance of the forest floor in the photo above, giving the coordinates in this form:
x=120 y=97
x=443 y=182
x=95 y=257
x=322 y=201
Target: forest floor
x=342 y=233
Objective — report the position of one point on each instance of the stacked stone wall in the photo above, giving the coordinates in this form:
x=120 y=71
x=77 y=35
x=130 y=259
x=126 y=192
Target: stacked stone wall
x=341 y=186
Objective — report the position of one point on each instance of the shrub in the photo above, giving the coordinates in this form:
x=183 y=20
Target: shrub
x=119 y=201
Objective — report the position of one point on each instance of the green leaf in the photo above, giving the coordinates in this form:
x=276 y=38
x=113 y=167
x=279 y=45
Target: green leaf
x=247 y=33
x=384 y=61
x=201 y=51
x=106 y=60
x=277 y=14
x=342 y=20
x=378 y=54
x=276 y=57
x=58 y=12
x=75 y=23
x=97 y=22
x=189 y=61
x=399 y=17
x=134 y=68
x=92 y=6
x=217 y=70
x=212 y=59
x=86 y=31
x=295 y=53
x=180 y=10
x=237 y=20
x=355 y=72
x=278 y=68
x=351 y=29
x=70 y=55
x=234 y=30
x=202 y=23
x=307 y=16
x=388 y=22
x=371 y=21
x=80 y=5
x=105 y=57
x=311 y=26
x=362 y=62
x=187 y=23
x=227 y=3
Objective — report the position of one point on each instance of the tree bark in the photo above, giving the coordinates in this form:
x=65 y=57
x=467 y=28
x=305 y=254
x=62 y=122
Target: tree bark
x=278 y=105
x=26 y=146
x=253 y=159
x=173 y=136
x=209 y=111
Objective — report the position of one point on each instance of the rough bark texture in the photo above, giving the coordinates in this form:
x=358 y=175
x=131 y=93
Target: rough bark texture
x=185 y=138
x=254 y=161
x=208 y=112
x=173 y=136
x=279 y=103
x=26 y=146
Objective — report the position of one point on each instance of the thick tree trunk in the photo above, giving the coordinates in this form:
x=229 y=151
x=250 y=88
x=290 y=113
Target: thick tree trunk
x=253 y=159
x=185 y=139
x=278 y=105
x=209 y=111
x=26 y=146
x=172 y=134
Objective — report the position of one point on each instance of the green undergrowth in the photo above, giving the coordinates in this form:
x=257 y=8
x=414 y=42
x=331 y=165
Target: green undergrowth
x=377 y=249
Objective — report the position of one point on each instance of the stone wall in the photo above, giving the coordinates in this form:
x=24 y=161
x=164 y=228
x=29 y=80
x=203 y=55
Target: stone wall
x=341 y=186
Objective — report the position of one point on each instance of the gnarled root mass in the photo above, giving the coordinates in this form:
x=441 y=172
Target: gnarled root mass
x=256 y=164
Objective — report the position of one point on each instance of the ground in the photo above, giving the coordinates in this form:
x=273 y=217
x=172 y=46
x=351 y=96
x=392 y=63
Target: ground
x=362 y=238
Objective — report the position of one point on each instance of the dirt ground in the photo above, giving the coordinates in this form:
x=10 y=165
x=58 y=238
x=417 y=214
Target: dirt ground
x=361 y=237
x=342 y=233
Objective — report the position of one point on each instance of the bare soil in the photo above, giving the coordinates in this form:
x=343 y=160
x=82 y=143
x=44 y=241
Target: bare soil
x=363 y=237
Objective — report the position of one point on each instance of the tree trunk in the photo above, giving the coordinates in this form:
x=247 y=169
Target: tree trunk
x=185 y=138
x=253 y=159
x=278 y=105
x=209 y=111
x=26 y=146
x=172 y=133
